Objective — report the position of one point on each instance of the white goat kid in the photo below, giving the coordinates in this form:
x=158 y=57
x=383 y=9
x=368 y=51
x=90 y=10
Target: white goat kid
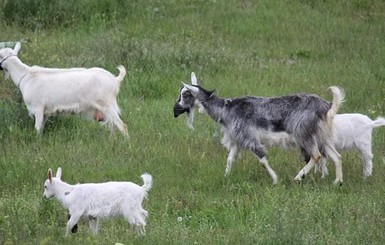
x=354 y=132
x=100 y=200
x=47 y=91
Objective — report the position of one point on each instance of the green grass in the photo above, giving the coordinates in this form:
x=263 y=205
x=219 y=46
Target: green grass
x=237 y=47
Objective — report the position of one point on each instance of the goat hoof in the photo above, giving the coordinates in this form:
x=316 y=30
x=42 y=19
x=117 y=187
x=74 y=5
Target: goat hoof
x=338 y=182
x=74 y=228
x=299 y=178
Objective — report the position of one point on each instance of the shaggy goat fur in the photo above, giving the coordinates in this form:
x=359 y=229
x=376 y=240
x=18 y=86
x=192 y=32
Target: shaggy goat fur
x=101 y=200
x=47 y=91
x=254 y=123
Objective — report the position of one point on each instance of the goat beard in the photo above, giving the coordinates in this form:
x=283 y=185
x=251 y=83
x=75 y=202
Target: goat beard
x=178 y=110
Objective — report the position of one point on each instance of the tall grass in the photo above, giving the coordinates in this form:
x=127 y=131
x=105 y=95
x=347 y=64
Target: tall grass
x=237 y=47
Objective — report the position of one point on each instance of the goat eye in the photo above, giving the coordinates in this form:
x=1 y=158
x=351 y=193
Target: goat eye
x=187 y=93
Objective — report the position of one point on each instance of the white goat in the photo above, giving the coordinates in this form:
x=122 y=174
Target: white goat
x=101 y=200
x=354 y=132
x=47 y=91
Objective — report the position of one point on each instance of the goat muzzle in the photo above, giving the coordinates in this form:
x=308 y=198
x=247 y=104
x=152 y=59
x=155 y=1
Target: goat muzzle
x=178 y=110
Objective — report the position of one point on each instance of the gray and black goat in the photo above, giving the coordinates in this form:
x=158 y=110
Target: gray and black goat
x=256 y=123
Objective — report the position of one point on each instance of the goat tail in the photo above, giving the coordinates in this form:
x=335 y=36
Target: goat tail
x=328 y=128
x=147 y=180
x=380 y=121
x=122 y=73
x=338 y=99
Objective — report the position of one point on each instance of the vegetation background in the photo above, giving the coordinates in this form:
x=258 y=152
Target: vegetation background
x=238 y=47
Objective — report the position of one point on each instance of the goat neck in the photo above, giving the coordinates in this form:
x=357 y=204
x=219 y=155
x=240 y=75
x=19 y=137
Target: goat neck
x=214 y=106
x=62 y=190
x=16 y=69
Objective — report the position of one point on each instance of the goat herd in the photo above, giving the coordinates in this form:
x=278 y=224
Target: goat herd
x=302 y=121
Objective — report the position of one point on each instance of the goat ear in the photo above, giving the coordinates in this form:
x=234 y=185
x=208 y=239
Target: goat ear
x=58 y=173
x=50 y=175
x=193 y=79
x=193 y=89
x=17 y=47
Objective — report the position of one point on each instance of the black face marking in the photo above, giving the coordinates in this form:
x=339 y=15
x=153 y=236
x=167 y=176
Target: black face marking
x=178 y=110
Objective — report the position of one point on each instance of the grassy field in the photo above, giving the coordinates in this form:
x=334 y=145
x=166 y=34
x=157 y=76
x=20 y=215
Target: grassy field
x=237 y=47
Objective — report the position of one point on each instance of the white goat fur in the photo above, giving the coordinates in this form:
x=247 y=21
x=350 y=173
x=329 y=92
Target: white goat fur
x=101 y=200
x=354 y=132
x=47 y=91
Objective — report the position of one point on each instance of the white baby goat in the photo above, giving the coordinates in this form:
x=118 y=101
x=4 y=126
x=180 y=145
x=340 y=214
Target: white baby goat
x=47 y=91
x=101 y=200
x=354 y=132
